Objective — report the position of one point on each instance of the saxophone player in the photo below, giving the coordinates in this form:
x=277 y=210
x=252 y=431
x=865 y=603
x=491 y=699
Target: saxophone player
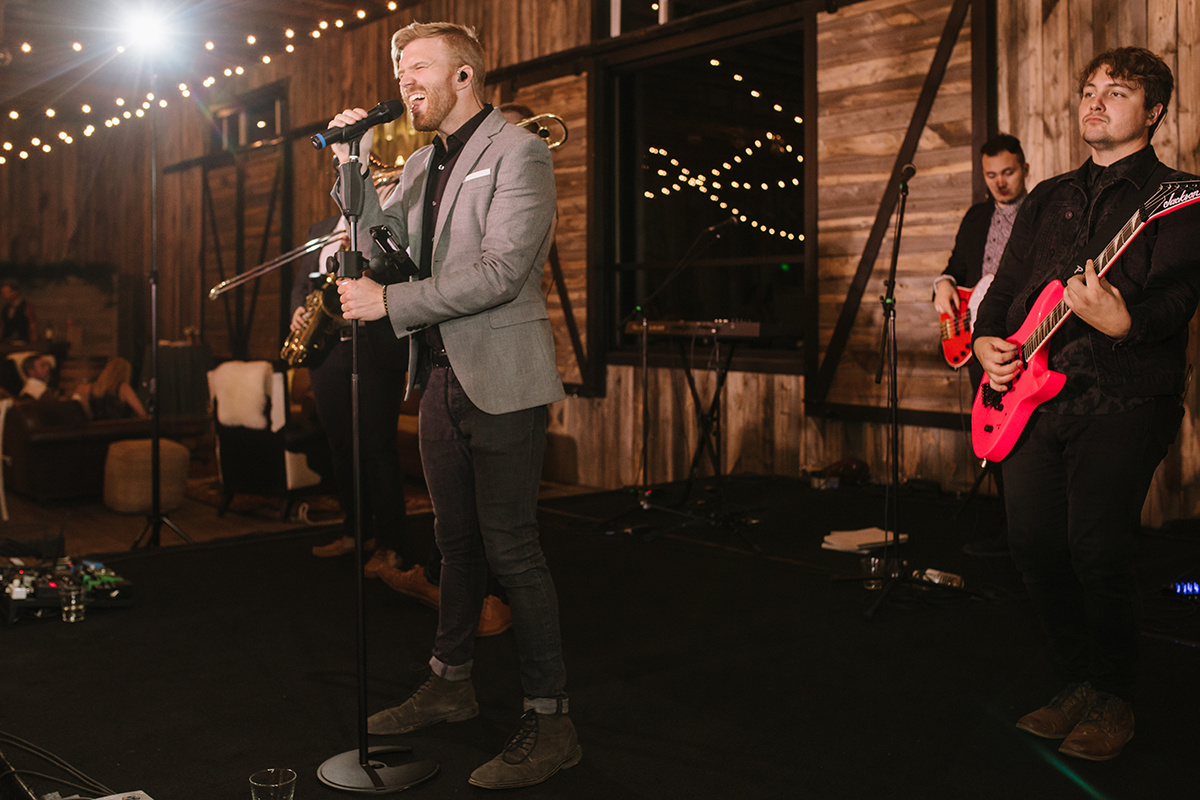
x=381 y=383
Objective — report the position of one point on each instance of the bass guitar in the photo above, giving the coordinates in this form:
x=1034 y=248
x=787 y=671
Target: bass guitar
x=956 y=331
x=998 y=418
x=956 y=327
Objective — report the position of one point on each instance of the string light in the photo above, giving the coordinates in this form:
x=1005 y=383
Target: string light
x=709 y=186
x=185 y=91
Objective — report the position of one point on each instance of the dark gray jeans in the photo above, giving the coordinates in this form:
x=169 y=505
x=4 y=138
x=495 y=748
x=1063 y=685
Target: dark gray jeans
x=483 y=471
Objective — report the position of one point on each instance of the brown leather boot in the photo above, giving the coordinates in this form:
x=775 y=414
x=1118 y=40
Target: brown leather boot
x=340 y=547
x=1106 y=726
x=382 y=558
x=413 y=583
x=1057 y=718
x=495 y=618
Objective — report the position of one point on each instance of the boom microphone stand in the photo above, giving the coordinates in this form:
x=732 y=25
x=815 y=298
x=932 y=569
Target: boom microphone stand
x=364 y=771
x=887 y=353
x=157 y=518
x=892 y=562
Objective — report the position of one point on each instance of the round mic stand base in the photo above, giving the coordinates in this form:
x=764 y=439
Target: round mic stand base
x=345 y=773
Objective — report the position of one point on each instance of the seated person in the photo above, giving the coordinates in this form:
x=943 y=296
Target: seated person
x=111 y=396
x=16 y=315
x=39 y=374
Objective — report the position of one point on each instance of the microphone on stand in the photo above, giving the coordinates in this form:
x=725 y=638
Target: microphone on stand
x=722 y=225
x=907 y=172
x=386 y=111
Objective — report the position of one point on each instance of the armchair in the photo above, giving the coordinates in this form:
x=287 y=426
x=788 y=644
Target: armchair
x=250 y=408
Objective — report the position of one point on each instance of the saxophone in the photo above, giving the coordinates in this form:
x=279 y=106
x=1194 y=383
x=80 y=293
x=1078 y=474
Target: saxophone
x=322 y=308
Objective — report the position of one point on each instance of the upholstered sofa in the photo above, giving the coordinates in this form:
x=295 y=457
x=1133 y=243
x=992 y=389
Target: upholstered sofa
x=56 y=452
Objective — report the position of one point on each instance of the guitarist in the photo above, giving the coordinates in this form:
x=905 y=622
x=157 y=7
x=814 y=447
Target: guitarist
x=1078 y=477
x=980 y=242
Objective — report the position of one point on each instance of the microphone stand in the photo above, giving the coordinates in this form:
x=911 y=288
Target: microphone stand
x=362 y=771
x=887 y=354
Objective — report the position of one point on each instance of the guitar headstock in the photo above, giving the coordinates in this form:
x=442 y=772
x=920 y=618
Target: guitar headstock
x=1171 y=196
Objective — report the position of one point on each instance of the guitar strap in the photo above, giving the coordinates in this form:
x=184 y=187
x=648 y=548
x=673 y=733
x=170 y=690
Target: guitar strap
x=1116 y=221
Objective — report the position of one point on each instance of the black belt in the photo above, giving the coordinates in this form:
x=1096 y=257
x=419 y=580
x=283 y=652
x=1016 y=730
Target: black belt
x=439 y=359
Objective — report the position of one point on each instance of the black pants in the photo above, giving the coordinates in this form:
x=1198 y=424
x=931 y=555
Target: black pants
x=381 y=390
x=1074 y=488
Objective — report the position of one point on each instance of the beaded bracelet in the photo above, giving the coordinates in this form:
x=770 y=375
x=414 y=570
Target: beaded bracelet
x=386 y=313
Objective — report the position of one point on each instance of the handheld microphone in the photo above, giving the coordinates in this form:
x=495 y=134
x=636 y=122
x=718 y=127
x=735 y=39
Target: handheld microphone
x=386 y=111
x=722 y=225
x=907 y=172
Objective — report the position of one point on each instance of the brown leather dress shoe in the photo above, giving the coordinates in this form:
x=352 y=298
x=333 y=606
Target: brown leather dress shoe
x=1106 y=726
x=411 y=582
x=379 y=560
x=496 y=617
x=340 y=547
x=1057 y=718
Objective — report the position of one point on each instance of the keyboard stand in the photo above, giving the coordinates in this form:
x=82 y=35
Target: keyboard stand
x=708 y=420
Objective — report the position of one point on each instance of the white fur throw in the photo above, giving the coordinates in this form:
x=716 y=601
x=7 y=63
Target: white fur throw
x=241 y=390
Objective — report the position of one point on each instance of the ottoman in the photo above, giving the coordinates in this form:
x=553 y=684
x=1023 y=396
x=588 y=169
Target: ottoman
x=127 y=475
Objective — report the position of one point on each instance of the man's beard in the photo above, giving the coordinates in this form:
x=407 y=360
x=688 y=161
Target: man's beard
x=438 y=103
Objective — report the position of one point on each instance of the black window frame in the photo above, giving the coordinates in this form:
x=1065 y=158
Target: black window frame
x=672 y=40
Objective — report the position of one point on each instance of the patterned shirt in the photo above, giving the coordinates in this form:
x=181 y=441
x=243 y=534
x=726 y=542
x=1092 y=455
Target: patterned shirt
x=998 y=233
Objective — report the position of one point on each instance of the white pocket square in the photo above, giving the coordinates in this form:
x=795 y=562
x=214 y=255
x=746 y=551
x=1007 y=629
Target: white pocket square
x=483 y=173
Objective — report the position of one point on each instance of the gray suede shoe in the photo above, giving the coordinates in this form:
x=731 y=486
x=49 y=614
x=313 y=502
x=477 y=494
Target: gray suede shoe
x=437 y=700
x=541 y=746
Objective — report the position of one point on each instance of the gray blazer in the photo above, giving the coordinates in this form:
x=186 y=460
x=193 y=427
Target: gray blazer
x=491 y=240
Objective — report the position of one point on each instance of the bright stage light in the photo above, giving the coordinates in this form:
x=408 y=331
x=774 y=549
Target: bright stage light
x=146 y=28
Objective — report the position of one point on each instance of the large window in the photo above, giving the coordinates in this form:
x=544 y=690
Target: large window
x=709 y=188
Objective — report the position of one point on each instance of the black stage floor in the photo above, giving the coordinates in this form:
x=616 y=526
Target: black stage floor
x=703 y=663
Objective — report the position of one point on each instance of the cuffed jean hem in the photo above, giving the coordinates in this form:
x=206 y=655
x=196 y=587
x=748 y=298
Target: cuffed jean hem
x=447 y=672
x=547 y=705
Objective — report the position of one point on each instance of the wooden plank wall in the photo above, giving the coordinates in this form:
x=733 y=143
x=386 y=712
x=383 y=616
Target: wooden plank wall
x=872 y=61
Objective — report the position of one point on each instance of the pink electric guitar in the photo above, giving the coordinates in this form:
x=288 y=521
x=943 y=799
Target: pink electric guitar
x=997 y=418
